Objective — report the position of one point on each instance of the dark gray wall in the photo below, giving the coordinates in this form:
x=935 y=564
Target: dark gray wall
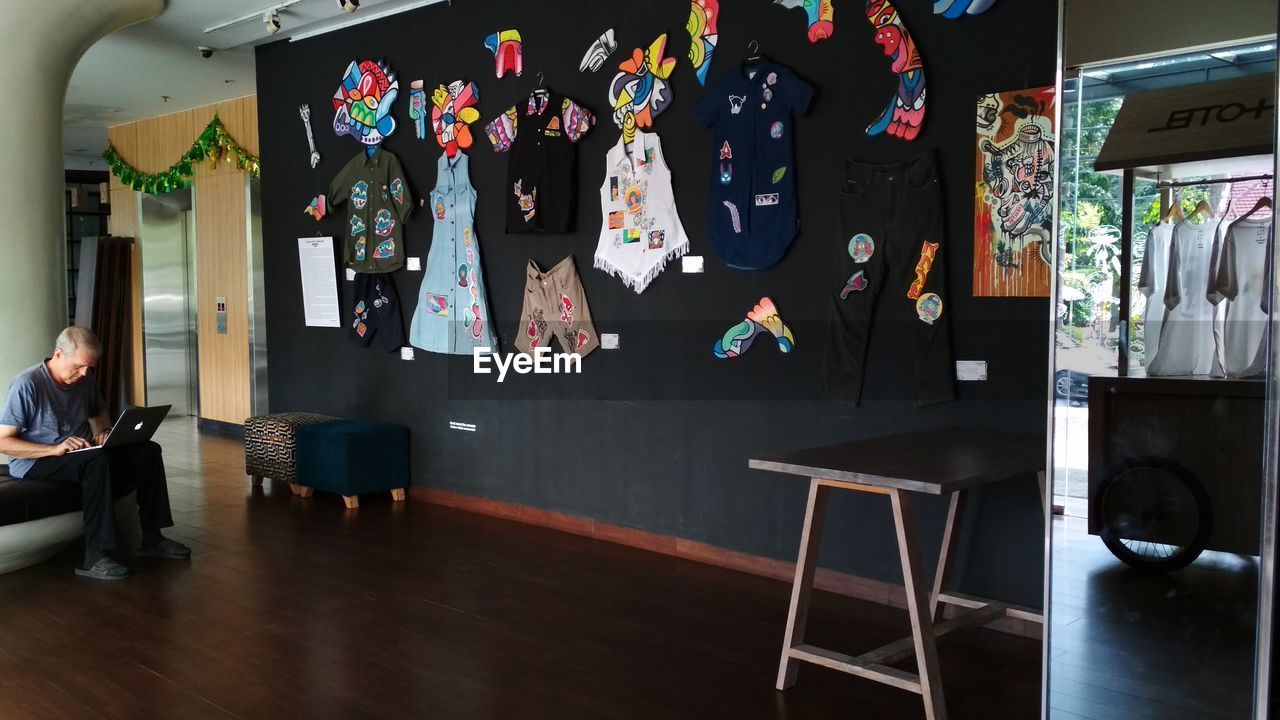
x=657 y=435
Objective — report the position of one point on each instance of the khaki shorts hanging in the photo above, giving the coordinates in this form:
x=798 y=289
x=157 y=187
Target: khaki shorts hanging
x=555 y=305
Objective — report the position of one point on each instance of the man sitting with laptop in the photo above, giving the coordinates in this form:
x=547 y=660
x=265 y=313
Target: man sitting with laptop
x=52 y=415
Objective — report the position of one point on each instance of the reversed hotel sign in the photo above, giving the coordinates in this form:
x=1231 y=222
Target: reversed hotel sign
x=1230 y=118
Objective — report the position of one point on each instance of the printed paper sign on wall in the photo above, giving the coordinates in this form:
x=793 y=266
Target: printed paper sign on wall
x=1013 y=200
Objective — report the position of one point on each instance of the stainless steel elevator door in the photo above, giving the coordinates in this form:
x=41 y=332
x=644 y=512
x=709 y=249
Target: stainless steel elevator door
x=166 y=236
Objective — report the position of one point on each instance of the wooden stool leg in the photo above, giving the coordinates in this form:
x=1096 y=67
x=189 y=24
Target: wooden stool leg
x=352 y=501
x=955 y=511
x=918 y=607
x=257 y=480
x=397 y=494
x=802 y=587
x=303 y=491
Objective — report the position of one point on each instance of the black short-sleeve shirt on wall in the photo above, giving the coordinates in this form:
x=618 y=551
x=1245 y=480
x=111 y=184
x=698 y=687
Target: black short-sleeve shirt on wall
x=751 y=110
x=541 y=171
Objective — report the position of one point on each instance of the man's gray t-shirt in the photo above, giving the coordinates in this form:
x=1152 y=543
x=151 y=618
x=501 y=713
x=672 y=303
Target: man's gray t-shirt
x=45 y=412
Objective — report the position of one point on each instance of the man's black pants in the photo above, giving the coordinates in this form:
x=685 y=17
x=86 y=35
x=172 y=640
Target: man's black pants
x=891 y=241
x=98 y=473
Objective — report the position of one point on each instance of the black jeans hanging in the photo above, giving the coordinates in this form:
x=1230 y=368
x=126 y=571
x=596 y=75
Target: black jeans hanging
x=375 y=310
x=891 y=240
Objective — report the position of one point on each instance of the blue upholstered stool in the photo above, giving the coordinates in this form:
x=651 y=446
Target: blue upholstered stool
x=349 y=457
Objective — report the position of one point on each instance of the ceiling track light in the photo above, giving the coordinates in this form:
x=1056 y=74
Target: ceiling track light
x=271 y=19
x=262 y=14
x=349 y=5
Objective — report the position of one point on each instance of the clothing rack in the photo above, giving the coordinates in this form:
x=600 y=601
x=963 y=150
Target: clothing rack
x=1222 y=181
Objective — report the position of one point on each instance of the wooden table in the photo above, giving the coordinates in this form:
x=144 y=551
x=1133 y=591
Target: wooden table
x=934 y=462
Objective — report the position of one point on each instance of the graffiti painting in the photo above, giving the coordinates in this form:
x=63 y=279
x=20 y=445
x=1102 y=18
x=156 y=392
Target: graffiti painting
x=641 y=90
x=453 y=112
x=1013 y=199
x=905 y=113
x=362 y=104
x=952 y=9
x=704 y=19
x=821 y=13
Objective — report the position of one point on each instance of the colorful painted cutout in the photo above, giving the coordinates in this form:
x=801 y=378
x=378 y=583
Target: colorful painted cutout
x=466 y=236
x=357 y=225
x=640 y=92
x=928 y=252
x=726 y=152
x=775 y=130
x=735 y=219
x=630 y=235
x=418 y=109
x=440 y=211
x=657 y=239
x=822 y=21
x=383 y=222
x=453 y=112
x=463 y=273
x=952 y=9
x=616 y=220
x=766 y=199
x=526 y=203
x=397 y=190
x=726 y=173
x=361 y=244
x=599 y=51
x=508 y=52
x=763 y=318
x=362 y=104
x=767 y=94
x=779 y=174
x=861 y=247
x=929 y=308
x=1014 y=197
x=905 y=114
x=385 y=249
x=581 y=340
x=317 y=208
x=359 y=194
x=437 y=304
x=735 y=103
x=704 y=16
x=857 y=282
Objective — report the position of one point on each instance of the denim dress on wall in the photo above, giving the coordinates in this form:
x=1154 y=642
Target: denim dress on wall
x=453 y=308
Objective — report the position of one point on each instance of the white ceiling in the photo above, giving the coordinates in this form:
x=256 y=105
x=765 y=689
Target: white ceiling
x=126 y=76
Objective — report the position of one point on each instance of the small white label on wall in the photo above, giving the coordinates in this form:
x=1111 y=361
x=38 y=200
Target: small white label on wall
x=406 y=353
x=609 y=341
x=691 y=263
x=455 y=425
x=971 y=370
x=351 y=275
x=413 y=264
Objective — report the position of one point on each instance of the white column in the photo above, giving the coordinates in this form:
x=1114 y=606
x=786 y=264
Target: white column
x=44 y=42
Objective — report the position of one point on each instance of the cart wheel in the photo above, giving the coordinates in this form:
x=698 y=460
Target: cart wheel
x=1155 y=514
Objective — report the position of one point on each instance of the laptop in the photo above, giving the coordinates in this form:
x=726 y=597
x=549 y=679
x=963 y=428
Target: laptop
x=135 y=425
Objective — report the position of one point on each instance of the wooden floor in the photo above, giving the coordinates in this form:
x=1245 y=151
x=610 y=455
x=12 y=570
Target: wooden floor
x=1127 y=645
x=296 y=608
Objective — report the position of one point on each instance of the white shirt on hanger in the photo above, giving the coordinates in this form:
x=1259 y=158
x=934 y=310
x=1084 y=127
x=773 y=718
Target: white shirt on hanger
x=1186 y=345
x=1239 y=286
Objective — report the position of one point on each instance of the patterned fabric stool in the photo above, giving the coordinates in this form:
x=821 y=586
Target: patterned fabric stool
x=269 y=446
x=349 y=457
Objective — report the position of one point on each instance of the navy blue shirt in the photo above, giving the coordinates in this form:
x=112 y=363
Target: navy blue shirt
x=752 y=213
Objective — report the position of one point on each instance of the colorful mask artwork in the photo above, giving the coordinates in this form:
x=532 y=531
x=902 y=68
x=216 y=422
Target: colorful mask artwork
x=640 y=92
x=316 y=209
x=362 y=104
x=418 y=109
x=952 y=9
x=905 y=114
x=454 y=111
x=1014 y=196
x=599 y=51
x=704 y=17
x=508 y=52
x=822 y=16
x=763 y=318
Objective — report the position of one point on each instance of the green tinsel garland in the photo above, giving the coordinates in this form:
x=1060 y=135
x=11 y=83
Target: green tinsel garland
x=214 y=143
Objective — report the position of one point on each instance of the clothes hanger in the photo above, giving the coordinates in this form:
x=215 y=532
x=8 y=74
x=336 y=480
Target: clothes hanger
x=753 y=47
x=1174 y=211
x=1263 y=202
x=1203 y=208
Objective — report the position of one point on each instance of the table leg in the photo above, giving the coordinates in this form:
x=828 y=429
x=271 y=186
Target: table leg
x=918 y=606
x=806 y=565
x=955 y=511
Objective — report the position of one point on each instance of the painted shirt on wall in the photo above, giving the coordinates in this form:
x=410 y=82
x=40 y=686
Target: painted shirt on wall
x=751 y=110
x=539 y=140
x=640 y=228
x=378 y=201
x=453 y=306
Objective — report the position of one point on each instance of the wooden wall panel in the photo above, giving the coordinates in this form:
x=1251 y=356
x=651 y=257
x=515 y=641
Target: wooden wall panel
x=152 y=145
x=123 y=222
x=221 y=271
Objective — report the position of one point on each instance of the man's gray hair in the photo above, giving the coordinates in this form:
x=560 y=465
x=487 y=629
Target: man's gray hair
x=78 y=338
